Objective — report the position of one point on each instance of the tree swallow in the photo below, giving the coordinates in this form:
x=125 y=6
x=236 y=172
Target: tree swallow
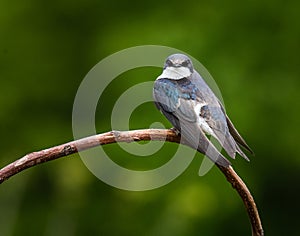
x=190 y=105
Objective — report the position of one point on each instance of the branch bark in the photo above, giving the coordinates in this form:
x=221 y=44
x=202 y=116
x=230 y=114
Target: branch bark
x=69 y=148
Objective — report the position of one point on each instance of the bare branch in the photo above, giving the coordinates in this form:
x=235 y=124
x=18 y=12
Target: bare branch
x=238 y=184
x=69 y=148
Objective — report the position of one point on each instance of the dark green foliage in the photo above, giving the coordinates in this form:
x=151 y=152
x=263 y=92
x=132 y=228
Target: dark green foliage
x=251 y=48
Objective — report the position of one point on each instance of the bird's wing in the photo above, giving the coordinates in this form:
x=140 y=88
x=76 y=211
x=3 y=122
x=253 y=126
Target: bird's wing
x=194 y=136
x=222 y=127
x=237 y=137
x=235 y=134
x=177 y=104
x=216 y=120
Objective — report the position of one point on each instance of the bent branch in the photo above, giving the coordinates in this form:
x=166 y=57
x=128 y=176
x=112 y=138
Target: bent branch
x=69 y=148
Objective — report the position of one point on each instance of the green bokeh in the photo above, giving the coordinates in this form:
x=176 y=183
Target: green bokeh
x=46 y=48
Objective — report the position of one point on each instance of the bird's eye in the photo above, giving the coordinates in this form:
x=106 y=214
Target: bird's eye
x=168 y=62
x=185 y=63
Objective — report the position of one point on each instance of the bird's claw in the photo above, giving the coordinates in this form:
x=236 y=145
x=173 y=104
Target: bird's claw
x=176 y=131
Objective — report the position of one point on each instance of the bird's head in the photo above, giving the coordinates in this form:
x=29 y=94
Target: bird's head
x=177 y=66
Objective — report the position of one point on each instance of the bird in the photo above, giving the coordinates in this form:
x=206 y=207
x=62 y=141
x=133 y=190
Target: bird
x=195 y=112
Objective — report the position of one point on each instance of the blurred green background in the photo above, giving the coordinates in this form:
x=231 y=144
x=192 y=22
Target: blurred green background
x=47 y=47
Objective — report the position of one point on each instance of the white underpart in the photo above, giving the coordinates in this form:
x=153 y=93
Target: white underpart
x=201 y=121
x=175 y=73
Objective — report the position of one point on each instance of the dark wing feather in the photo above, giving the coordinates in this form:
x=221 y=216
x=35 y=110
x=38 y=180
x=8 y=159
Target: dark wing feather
x=194 y=136
x=176 y=103
x=235 y=134
x=216 y=120
x=237 y=137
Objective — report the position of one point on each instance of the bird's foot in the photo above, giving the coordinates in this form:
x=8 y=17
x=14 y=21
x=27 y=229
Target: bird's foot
x=176 y=131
